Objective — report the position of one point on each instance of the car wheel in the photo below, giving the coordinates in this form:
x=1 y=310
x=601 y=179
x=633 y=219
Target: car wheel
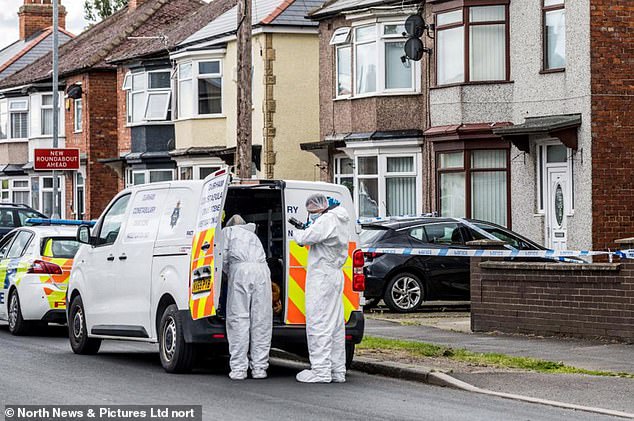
x=78 y=332
x=349 y=355
x=177 y=356
x=17 y=324
x=404 y=293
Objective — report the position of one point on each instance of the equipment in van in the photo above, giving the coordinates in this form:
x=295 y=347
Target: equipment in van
x=297 y=223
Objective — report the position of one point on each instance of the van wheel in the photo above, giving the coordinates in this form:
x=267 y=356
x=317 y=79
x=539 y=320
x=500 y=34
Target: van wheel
x=349 y=355
x=404 y=293
x=78 y=332
x=17 y=324
x=177 y=356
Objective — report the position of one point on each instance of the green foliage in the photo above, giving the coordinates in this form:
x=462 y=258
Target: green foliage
x=421 y=349
x=96 y=10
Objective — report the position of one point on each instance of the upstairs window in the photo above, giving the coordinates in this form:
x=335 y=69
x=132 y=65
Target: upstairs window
x=373 y=62
x=471 y=45
x=4 y=118
x=19 y=118
x=78 y=115
x=200 y=88
x=554 y=20
x=148 y=96
x=47 y=115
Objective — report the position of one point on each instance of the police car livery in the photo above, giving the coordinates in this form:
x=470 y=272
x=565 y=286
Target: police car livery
x=35 y=264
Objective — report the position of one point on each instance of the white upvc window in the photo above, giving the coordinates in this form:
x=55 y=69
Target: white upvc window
x=47 y=201
x=374 y=63
x=19 y=118
x=148 y=95
x=137 y=177
x=78 y=114
x=80 y=196
x=388 y=185
x=4 y=119
x=21 y=192
x=344 y=172
x=200 y=88
x=46 y=106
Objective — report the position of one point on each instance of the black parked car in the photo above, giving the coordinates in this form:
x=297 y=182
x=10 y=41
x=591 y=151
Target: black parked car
x=404 y=282
x=15 y=215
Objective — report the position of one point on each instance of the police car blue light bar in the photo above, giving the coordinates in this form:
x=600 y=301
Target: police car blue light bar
x=68 y=222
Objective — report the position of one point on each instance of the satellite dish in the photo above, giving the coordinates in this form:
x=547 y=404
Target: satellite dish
x=414 y=49
x=415 y=26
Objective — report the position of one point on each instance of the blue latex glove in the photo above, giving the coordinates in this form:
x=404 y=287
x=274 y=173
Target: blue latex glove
x=332 y=202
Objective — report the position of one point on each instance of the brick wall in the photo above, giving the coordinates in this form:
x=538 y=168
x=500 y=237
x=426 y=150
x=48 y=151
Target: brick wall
x=612 y=52
x=125 y=137
x=551 y=299
x=97 y=140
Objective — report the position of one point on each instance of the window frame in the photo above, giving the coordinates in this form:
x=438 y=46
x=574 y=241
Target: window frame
x=146 y=92
x=99 y=228
x=146 y=175
x=203 y=76
x=46 y=107
x=78 y=120
x=24 y=109
x=466 y=24
x=193 y=79
x=468 y=171
x=545 y=9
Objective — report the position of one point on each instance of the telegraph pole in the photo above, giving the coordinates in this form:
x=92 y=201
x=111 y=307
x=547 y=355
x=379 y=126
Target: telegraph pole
x=56 y=204
x=245 y=100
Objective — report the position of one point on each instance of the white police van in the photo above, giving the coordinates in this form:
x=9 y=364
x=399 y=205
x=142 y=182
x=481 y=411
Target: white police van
x=151 y=268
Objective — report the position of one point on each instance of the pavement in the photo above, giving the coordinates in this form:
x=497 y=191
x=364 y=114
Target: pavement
x=611 y=393
x=43 y=370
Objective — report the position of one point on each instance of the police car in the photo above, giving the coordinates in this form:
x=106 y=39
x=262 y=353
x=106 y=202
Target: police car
x=35 y=264
x=151 y=269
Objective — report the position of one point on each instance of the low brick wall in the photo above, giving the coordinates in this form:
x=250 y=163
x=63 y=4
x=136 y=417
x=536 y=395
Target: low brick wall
x=553 y=299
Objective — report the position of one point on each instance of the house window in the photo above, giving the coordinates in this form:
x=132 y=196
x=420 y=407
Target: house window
x=78 y=115
x=481 y=32
x=48 y=204
x=19 y=118
x=200 y=88
x=80 y=197
x=4 y=116
x=554 y=20
x=344 y=172
x=387 y=185
x=136 y=177
x=474 y=184
x=148 y=96
x=374 y=62
x=47 y=115
x=5 y=190
x=21 y=192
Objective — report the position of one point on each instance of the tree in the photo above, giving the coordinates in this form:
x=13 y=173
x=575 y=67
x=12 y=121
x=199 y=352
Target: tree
x=95 y=10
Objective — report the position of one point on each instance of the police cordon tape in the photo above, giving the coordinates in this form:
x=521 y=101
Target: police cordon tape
x=447 y=252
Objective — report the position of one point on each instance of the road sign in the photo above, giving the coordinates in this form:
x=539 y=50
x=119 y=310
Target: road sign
x=57 y=159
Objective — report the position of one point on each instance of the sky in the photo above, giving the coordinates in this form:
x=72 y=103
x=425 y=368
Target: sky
x=9 y=31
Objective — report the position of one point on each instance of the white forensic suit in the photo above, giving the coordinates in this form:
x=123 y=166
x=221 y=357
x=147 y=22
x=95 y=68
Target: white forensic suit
x=325 y=326
x=249 y=311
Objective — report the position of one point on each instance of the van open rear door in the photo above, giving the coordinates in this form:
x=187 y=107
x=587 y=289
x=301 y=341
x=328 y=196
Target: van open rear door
x=206 y=261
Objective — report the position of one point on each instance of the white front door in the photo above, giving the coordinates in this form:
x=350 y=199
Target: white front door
x=556 y=208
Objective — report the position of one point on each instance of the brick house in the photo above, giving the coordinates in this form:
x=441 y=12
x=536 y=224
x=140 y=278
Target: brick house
x=91 y=84
x=372 y=107
x=531 y=122
x=26 y=114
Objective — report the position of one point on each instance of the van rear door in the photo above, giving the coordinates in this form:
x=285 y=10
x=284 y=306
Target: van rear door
x=206 y=261
x=295 y=195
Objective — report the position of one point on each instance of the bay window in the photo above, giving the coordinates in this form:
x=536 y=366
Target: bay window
x=471 y=45
x=474 y=184
x=373 y=63
x=48 y=202
x=385 y=185
x=47 y=115
x=136 y=177
x=19 y=118
x=21 y=192
x=344 y=172
x=4 y=117
x=200 y=88
x=554 y=22
x=148 y=96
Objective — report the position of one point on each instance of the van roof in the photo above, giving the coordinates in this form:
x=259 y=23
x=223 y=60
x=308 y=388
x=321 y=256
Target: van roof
x=297 y=184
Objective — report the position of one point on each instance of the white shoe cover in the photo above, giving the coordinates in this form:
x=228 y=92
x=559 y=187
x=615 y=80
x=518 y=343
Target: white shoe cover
x=258 y=374
x=338 y=377
x=309 y=376
x=238 y=375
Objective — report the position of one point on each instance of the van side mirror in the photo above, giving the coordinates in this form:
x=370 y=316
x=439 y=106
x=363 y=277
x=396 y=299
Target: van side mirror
x=83 y=235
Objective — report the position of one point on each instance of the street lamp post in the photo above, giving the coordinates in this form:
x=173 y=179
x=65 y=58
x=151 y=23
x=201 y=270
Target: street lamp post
x=56 y=204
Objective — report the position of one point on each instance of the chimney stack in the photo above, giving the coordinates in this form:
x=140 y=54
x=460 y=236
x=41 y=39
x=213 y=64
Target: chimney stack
x=36 y=15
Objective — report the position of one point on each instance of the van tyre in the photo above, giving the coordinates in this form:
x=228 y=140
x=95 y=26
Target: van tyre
x=78 y=332
x=404 y=293
x=349 y=355
x=17 y=325
x=177 y=356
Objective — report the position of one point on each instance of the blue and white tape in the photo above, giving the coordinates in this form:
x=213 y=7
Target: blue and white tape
x=363 y=221
x=448 y=252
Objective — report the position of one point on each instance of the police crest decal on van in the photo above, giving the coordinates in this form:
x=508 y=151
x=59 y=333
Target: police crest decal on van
x=176 y=214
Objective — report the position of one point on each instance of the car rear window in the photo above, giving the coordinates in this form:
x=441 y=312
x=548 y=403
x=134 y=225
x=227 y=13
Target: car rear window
x=371 y=235
x=62 y=248
x=26 y=214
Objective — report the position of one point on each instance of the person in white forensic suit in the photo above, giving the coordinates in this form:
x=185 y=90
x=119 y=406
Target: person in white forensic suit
x=327 y=235
x=249 y=312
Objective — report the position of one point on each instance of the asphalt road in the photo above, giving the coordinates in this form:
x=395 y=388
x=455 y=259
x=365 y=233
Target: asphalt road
x=43 y=370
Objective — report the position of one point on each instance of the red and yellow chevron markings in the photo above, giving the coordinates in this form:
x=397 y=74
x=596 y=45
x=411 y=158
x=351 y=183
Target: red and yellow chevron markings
x=201 y=291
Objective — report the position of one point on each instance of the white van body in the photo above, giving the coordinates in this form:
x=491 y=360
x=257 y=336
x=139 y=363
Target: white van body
x=158 y=245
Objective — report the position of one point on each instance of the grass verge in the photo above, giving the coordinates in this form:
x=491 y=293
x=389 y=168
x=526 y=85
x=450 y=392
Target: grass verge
x=422 y=349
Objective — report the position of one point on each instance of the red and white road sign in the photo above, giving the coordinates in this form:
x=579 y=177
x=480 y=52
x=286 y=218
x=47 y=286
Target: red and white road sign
x=56 y=159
